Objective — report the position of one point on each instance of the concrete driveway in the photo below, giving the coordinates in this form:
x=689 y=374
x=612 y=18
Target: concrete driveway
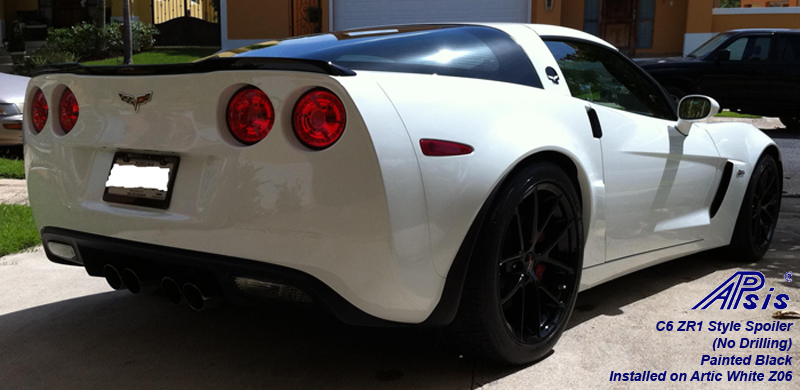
x=61 y=329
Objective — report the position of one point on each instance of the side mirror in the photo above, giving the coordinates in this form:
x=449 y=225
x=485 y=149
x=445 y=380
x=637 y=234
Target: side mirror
x=695 y=108
x=723 y=56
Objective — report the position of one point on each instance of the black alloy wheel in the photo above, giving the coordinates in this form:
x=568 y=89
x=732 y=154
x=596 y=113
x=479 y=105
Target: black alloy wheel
x=758 y=216
x=764 y=207
x=524 y=274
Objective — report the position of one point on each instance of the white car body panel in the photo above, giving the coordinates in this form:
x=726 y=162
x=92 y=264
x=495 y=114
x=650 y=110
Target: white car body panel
x=372 y=217
x=12 y=91
x=507 y=134
x=10 y=137
x=350 y=235
x=659 y=183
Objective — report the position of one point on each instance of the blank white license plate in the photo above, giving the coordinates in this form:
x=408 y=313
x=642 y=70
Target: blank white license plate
x=141 y=179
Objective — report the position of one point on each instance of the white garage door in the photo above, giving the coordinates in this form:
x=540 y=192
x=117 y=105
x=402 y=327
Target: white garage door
x=364 y=13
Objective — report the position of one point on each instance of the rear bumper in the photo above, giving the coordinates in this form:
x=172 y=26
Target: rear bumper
x=95 y=251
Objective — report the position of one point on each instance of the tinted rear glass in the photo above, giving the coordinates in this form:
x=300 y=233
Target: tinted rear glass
x=462 y=51
x=789 y=48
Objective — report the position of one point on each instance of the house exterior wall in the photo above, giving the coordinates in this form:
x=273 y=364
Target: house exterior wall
x=678 y=25
x=572 y=14
x=12 y=6
x=669 y=24
x=245 y=22
x=8 y=13
x=539 y=14
x=140 y=10
x=703 y=21
x=724 y=19
x=769 y=3
x=698 y=24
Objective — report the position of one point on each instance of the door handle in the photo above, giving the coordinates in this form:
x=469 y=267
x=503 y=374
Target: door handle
x=597 y=130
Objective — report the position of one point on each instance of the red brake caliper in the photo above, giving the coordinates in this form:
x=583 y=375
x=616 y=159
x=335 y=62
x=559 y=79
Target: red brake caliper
x=539 y=271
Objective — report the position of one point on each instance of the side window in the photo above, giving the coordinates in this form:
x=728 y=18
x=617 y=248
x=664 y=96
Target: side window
x=603 y=76
x=789 y=48
x=750 y=48
x=461 y=51
x=761 y=49
x=737 y=49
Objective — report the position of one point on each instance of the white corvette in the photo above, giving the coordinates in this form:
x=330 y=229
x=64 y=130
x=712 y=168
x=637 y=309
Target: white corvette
x=476 y=176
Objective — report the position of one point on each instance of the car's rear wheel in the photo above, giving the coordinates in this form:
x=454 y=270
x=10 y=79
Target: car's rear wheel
x=758 y=215
x=791 y=121
x=525 y=272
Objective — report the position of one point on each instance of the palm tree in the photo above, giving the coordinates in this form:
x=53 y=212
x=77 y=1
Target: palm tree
x=100 y=14
x=126 y=33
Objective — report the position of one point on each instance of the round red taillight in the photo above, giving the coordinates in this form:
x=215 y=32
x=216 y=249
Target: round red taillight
x=40 y=111
x=319 y=119
x=250 y=115
x=68 y=110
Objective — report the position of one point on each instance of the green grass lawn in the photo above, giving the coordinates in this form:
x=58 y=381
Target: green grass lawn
x=12 y=169
x=159 y=56
x=17 y=230
x=730 y=114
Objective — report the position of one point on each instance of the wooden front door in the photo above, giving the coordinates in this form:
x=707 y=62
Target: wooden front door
x=307 y=17
x=618 y=24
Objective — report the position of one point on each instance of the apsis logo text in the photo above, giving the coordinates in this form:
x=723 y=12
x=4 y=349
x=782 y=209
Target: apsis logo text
x=730 y=293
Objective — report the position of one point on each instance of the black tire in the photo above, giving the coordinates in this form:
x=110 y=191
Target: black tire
x=790 y=121
x=506 y=264
x=758 y=216
x=676 y=93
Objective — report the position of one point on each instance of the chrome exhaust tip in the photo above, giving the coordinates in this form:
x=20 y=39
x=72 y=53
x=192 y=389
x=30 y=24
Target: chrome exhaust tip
x=137 y=284
x=113 y=277
x=172 y=291
x=197 y=300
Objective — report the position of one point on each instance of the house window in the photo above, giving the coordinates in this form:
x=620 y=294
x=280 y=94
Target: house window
x=644 y=24
x=591 y=17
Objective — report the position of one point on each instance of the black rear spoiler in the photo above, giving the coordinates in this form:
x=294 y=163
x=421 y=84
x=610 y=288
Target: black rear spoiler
x=204 y=66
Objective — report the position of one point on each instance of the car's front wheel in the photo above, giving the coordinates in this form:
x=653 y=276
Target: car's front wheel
x=524 y=275
x=758 y=215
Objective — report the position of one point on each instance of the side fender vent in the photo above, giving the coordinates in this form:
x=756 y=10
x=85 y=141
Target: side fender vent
x=722 y=190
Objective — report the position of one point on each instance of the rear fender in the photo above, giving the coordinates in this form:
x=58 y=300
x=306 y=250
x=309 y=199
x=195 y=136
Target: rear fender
x=506 y=124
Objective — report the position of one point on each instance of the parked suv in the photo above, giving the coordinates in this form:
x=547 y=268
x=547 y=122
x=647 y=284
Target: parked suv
x=748 y=71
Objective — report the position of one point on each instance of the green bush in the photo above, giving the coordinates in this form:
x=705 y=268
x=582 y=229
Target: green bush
x=84 y=40
x=113 y=40
x=87 y=41
x=143 y=36
x=42 y=57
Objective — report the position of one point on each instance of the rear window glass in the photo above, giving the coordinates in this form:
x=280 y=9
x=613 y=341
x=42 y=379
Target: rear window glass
x=462 y=51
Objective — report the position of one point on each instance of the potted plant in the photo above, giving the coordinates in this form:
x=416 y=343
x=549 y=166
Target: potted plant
x=16 y=42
